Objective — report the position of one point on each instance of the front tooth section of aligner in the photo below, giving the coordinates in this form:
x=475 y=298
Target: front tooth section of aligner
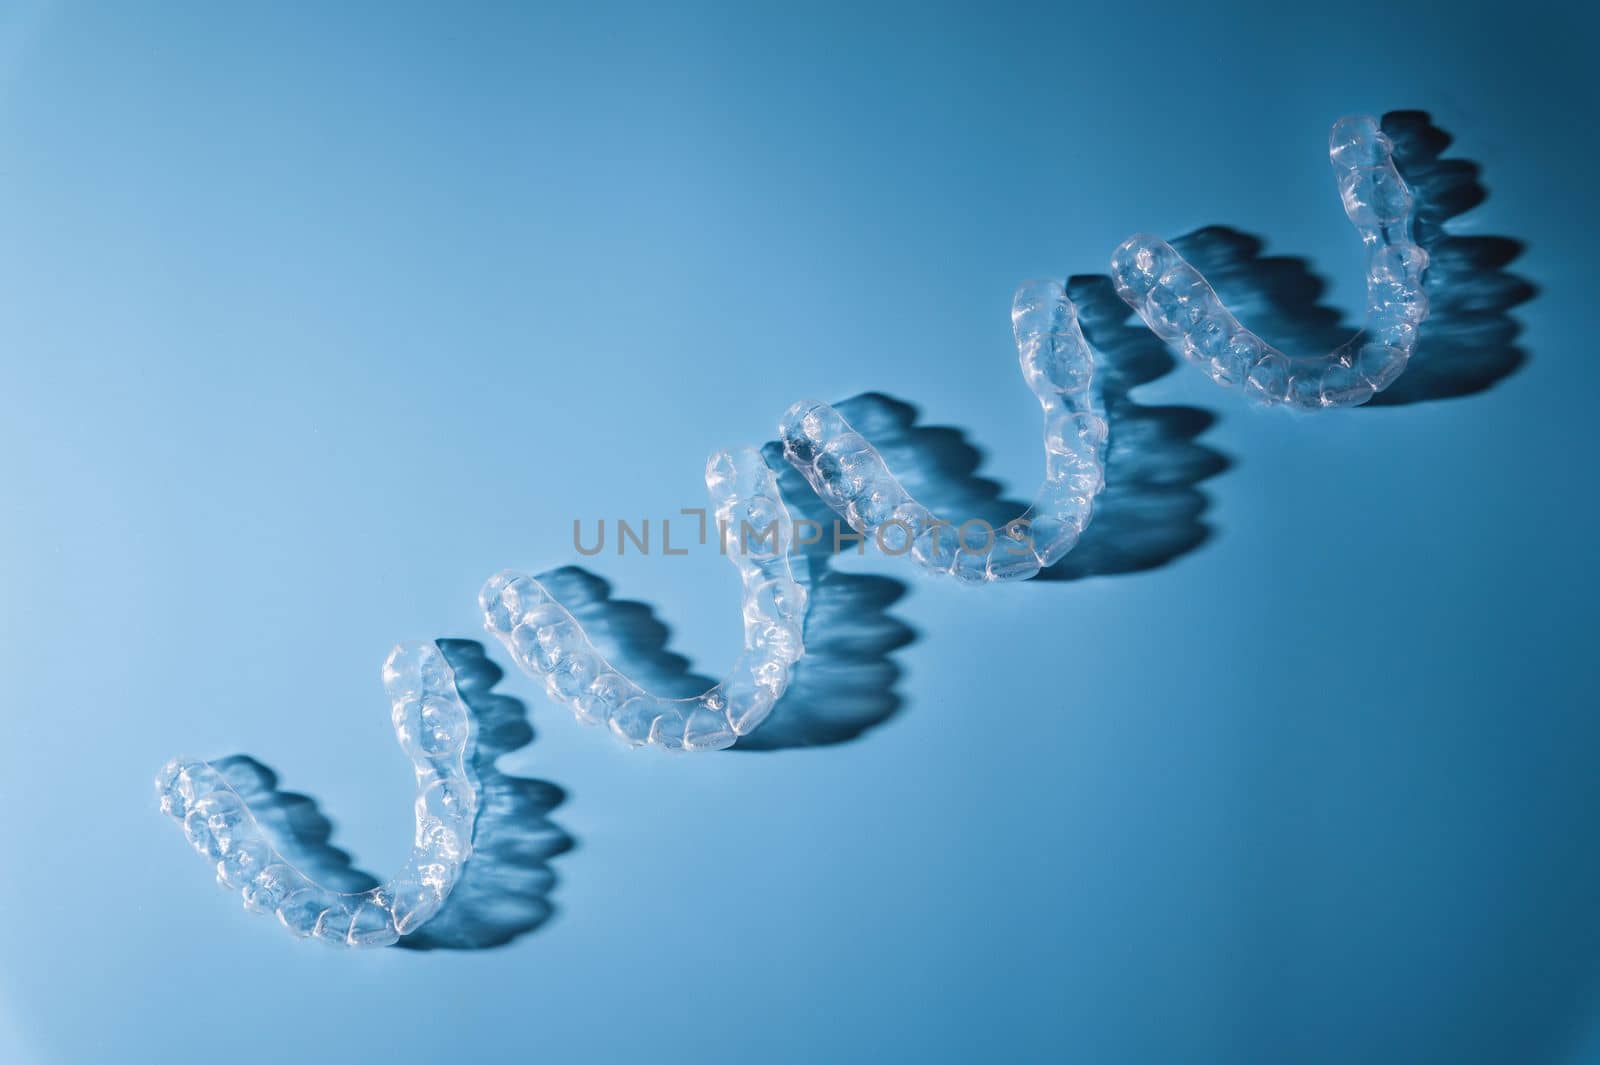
x=1267 y=383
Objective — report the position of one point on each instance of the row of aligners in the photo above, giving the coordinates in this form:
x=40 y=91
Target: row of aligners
x=434 y=727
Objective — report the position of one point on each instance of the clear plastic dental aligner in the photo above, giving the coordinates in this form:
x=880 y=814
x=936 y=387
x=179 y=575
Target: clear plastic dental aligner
x=1179 y=305
x=850 y=475
x=546 y=641
x=434 y=728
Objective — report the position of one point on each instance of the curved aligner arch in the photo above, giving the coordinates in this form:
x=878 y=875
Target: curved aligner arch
x=850 y=475
x=211 y=803
x=546 y=641
x=434 y=726
x=1178 y=304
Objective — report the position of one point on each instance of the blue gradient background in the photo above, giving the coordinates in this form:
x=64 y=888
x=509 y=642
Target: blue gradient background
x=311 y=319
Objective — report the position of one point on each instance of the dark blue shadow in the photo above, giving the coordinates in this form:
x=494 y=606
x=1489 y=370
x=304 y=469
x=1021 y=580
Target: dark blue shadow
x=1152 y=510
x=627 y=632
x=1469 y=342
x=846 y=683
x=841 y=688
x=504 y=890
x=298 y=828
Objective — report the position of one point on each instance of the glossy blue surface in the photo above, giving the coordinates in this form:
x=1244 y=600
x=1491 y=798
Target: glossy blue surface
x=311 y=321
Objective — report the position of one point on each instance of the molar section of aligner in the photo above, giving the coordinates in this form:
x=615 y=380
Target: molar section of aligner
x=214 y=818
x=1362 y=158
x=753 y=524
x=430 y=720
x=744 y=494
x=843 y=469
x=511 y=601
x=836 y=461
x=181 y=782
x=1396 y=299
x=1375 y=198
x=1059 y=366
x=774 y=611
x=1374 y=194
x=545 y=636
x=434 y=728
x=1051 y=349
x=1137 y=264
x=1357 y=141
x=546 y=641
x=505 y=597
x=805 y=428
x=1074 y=444
x=1397 y=303
x=1179 y=305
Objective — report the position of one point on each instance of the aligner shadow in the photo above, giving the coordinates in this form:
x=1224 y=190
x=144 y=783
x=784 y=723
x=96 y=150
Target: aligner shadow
x=1152 y=509
x=626 y=631
x=504 y=890
x=845 y=684
x=1467 y=344
x=299 y=830
x=841 y=688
